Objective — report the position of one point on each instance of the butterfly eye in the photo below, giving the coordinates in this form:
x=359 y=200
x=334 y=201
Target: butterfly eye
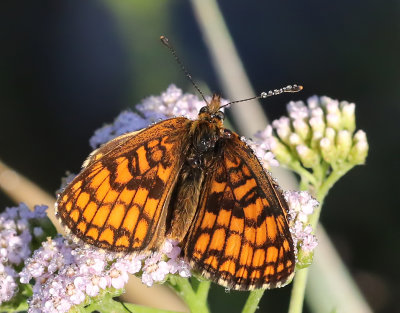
x=220 y=115
x=204 y=110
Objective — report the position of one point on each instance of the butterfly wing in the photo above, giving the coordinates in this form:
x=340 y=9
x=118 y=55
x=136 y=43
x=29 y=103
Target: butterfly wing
x=119 y=200
x=240 y=238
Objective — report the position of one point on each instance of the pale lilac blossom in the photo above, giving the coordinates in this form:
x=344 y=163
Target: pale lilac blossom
x=15 y=244
x=263 y=151
x=67 y=274
x=8 y=285
x=301 y=206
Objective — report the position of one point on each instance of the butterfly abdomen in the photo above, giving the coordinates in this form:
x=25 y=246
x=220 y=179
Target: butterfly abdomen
x=184 y=202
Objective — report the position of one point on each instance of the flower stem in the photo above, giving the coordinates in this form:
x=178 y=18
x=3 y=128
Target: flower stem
x=252 y=301
x=304 y=174
x=184 y=289
x=300 y=280
x=202 y=290
x=298 y=291
x=331 y=180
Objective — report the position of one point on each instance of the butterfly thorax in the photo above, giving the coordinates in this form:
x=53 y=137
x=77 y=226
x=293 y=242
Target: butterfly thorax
x=205 y=133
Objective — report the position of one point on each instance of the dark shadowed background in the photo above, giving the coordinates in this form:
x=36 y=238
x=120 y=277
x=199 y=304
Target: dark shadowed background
x=68 y=67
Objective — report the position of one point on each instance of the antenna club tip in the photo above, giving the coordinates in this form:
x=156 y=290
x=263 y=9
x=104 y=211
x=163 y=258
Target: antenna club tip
x=294 y=88
x=164 y=39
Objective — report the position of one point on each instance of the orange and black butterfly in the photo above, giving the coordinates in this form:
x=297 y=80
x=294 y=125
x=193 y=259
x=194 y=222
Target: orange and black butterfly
x=192 y=181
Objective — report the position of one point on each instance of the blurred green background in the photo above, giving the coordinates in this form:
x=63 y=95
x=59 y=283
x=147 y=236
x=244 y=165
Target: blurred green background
x=68 y=67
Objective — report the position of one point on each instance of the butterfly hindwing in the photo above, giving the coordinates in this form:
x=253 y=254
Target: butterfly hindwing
x=240 y=237
x=118 y=202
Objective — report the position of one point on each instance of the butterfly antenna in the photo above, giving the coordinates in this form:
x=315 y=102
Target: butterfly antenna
x=166 y=42
x=263 y=95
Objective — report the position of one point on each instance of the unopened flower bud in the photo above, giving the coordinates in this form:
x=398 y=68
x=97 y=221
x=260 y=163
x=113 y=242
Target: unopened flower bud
x=294 y=139
x=360 y=136
x=301 y=128
x=316 y=138
x=329 y=104
x=348 y=116
x=332 y=106
x=309 y=158
x=317 y=124
x=297 y=110
x=317 y=112
x=282 y=127
x=328 y=150
x=281 y=152
x=313 y=102
x=333 y=120
x=359 y=151
x=343 y=143
x=330 y=133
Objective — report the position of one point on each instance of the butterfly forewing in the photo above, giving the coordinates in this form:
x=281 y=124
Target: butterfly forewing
x=240 y=237
x=120 y=199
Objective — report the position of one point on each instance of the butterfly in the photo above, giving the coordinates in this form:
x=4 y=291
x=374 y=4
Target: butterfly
x=187 y=180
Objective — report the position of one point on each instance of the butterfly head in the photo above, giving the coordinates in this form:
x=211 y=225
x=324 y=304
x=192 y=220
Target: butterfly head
x=211 y=112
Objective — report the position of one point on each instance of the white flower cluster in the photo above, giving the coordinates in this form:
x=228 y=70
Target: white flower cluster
x=8 y=285
x=156 y=267
x=301 y=206
x=16 y=236
x=67 y=275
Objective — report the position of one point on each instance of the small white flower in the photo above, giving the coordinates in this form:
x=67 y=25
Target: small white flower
x=301 y=206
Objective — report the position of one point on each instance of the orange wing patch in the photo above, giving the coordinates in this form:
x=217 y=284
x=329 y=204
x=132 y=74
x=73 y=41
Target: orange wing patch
x=241 y=226
x=120 y=199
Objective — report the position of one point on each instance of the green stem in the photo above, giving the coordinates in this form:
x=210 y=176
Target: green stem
x=202 y=290
x=298 y=291
x=252 y=301
x=184 y=289
x=300 y=280
x=332 y=179
x=323 y=190
x=304 y=184
x=296 y=167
